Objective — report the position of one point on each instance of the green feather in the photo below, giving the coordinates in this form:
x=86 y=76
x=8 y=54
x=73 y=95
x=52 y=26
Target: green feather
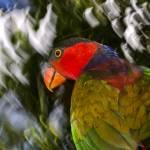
x=102 y=117
x=91 y=141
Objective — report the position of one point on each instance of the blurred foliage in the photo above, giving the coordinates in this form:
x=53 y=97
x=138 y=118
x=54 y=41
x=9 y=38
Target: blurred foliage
x=71 y=23
x=34 y=97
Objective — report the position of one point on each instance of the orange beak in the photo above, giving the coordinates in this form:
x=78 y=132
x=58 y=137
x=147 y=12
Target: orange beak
x=52 y=78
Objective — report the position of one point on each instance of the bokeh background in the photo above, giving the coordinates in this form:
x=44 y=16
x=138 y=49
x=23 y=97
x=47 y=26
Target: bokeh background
x=31 y=117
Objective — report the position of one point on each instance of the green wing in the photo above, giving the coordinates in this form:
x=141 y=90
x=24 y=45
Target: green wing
x=104 y=118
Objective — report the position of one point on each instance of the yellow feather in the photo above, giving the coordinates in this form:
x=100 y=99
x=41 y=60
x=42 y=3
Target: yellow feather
x=95 y=104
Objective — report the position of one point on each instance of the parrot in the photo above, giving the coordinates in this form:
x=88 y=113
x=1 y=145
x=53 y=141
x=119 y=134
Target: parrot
x=110 y=101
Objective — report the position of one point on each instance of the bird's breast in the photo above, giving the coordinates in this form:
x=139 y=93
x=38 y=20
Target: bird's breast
x=93 y=100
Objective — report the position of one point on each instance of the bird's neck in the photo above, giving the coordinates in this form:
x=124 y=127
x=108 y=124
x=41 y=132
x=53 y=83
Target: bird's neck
x=116 y=72
x=122 y=79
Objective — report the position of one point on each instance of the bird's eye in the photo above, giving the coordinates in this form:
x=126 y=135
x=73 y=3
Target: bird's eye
x=58 y=52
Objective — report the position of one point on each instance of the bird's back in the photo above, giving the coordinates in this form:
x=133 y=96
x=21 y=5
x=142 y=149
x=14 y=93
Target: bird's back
x=103 y=117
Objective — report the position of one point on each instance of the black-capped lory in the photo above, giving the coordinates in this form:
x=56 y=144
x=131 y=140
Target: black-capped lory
x=110 y=102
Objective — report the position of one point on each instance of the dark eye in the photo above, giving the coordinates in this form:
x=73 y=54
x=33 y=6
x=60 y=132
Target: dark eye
x=58 y=52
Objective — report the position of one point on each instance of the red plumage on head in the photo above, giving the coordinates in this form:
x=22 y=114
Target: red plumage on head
x=100 y=61
x=75 y=58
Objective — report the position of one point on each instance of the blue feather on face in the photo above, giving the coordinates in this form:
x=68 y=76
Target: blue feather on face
x=108 y=51
x=107 y=61
x=103 y=54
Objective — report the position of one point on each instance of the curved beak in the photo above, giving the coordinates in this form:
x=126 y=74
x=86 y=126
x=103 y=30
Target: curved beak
x=52 y=78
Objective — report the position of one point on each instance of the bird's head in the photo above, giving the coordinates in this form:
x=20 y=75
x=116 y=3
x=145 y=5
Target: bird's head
x=68 y=61
x=77 y=56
